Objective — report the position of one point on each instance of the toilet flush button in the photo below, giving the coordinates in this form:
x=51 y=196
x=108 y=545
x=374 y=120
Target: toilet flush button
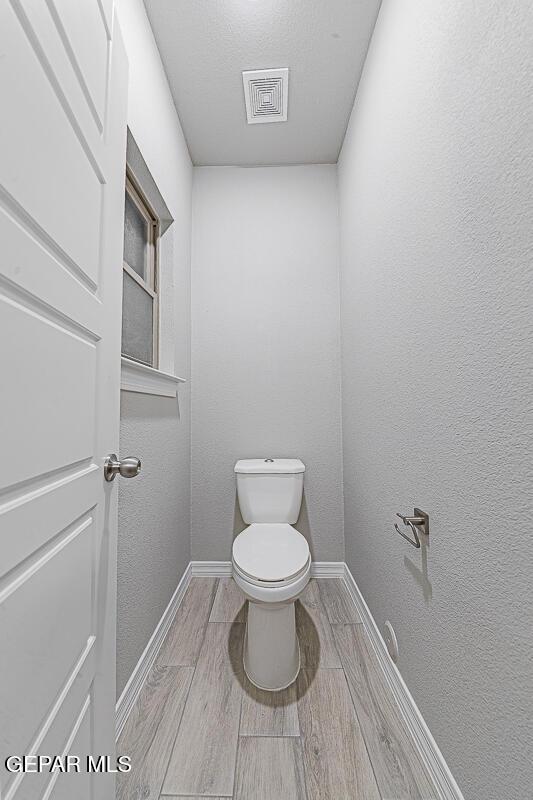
x=269 y=460
x=391 y=641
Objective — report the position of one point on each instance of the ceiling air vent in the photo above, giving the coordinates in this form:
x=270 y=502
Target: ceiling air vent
x=265 y=93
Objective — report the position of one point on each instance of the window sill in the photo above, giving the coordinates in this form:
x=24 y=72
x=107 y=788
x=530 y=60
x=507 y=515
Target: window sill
x=135 y=377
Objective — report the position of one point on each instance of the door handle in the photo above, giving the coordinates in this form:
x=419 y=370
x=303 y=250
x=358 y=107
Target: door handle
x=128 y=467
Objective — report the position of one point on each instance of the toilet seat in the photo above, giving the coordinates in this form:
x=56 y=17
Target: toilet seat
x=250 y=580
x=270 y=554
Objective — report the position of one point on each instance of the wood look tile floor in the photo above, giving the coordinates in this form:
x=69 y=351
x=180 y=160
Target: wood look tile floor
x=200 y=729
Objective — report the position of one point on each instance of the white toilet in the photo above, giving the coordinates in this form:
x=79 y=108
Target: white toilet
x=272 y=566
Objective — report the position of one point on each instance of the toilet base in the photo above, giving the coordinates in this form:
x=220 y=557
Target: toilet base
x=271 y=648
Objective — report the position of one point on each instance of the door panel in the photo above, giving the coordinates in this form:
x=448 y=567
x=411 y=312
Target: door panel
x=45 y=27
x=56 y=740
x=74 y=786
x=47 y=635
x=65 y=204
x=41 y=403
x=63 y=83
x=36 y=275
x=106 y=7
x=32 y=518
x=70 y=785
x=85 y=35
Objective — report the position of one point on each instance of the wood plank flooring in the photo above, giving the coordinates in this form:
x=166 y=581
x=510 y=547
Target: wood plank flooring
x=336 y=761
x=182 y=644
x=229 y=604
x=150 y=731
x=269 y=713
x=200 y=729
x=317 y=645
x=383 y=728
x=203 y=759
x=270 y=768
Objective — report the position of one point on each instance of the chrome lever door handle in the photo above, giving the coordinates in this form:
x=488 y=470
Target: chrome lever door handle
x=128 y=467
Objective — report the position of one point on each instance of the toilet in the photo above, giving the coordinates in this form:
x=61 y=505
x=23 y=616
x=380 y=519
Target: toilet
x=271 y=565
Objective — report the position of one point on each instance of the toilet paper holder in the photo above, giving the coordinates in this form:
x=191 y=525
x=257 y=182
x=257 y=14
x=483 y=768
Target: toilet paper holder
x=418 y=523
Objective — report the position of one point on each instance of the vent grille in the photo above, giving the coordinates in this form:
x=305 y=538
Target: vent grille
x=266 y=94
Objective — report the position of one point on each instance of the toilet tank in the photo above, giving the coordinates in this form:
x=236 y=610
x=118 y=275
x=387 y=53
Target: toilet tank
x=270 y=489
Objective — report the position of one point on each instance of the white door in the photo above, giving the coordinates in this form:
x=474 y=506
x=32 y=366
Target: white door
x=63 y=93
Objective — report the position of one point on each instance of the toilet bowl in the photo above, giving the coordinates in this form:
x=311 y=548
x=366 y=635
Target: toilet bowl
x=271 y=565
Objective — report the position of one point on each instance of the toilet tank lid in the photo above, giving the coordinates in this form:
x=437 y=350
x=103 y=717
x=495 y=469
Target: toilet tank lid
x=269 y=466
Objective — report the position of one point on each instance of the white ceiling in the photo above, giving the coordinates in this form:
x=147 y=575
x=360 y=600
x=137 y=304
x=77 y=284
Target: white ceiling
x=206 y=44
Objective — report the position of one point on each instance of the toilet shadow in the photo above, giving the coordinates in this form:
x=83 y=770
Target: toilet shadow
x=303 y=524
x=238 y=523
x=309 y=656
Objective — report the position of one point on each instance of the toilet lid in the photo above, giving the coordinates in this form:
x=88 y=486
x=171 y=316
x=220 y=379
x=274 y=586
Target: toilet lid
x=270 y=551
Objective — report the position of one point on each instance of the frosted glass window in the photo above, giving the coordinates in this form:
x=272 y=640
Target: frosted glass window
x=137 y=322
x=136 y=232
x=140 y=281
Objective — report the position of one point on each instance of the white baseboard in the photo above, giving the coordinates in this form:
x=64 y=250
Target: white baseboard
x=134 y=685
x=327 y=569
x=222 y=569
x=424 y=741
x=211 y=569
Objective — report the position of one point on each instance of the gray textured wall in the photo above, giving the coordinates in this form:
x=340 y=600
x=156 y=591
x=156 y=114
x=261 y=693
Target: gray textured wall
x=436 y=199
x=154 y=521
x=265 y=353
x=154 y=509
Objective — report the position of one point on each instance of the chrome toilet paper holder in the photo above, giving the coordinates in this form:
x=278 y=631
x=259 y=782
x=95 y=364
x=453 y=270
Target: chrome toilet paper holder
x=418 y=523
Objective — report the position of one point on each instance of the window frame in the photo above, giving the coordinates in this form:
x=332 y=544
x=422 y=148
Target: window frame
x=151 y=287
